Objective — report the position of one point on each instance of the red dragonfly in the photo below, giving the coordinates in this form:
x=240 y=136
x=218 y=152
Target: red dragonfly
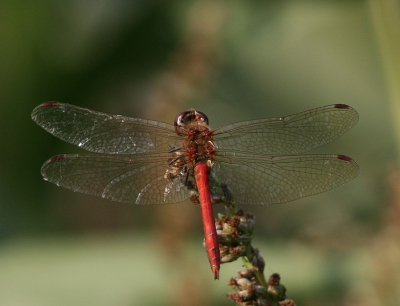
x=149 y=162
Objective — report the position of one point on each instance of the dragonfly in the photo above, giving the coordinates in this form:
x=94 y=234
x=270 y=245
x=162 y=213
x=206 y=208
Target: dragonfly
x=141 y=161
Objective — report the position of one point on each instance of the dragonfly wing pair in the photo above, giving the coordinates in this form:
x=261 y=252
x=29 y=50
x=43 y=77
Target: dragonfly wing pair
x=260 y=161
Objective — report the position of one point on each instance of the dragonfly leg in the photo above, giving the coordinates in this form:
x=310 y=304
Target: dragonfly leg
x=194 y=198
x=174 y=149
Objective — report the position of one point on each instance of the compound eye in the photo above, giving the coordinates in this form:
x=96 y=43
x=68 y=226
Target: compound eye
x=201 y=117
x=187 y=117
x=179 y=122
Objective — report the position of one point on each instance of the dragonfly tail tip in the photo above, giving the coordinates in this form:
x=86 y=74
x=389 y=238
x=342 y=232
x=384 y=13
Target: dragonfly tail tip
x=216 y=273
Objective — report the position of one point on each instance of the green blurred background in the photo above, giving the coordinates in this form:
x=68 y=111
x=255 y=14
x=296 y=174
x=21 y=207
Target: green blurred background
x=234 y=60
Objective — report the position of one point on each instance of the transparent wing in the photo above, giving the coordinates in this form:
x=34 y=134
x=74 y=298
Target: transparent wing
x=138 y=179
x=278 y=179
x=292 y=134
x=103 y=133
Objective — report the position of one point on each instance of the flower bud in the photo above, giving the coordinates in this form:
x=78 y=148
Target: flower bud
x=215 y=199
x=247 y=273
x=275 y=287
x=260 y=291
x=241 y=283
x=227 y=192
x=245 y=238
x=227 y=229
x=250 y=224
x=225 y=239
x=274 y=279
x=258 y=261
x=238 y=251
x=287 y=303
x=263 y=302
x=229 y=254
x=243 y=226
x=227 y=258
x=240 y=296
x=223 y=250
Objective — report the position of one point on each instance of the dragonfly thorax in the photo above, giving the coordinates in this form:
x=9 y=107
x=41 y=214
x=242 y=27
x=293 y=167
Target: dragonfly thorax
x=197 y=148
x=198 y=145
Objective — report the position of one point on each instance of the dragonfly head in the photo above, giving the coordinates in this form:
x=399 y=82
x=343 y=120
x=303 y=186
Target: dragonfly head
x=183 y=119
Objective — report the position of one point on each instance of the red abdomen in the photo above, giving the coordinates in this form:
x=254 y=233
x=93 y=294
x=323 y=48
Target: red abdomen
x=201 y=172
